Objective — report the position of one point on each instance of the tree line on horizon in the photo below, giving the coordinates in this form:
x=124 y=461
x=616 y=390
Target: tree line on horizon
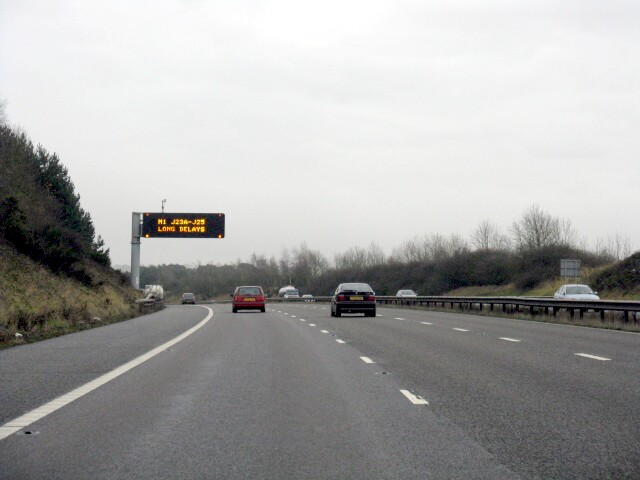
x=41 y=217
x=430 y=264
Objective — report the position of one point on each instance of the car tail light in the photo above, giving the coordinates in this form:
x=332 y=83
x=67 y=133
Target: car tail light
x=370 y=298
x=341 y=298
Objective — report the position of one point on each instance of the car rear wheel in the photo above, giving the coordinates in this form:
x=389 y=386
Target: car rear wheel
x=235 y=310
x=263 y=309
x=338 y=313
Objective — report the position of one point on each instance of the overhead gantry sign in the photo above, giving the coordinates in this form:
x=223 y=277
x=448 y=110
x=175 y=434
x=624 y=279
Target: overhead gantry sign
x=183 y=225
x=170 y=225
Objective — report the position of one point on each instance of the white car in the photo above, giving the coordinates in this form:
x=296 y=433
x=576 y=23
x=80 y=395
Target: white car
x=406 y=293
x=576 y=292
x=307 y=297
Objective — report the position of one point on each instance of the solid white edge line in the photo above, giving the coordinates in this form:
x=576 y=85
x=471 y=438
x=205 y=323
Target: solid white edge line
x=593 y=357
x=414 y=398
x=366 y=360
x=59 y=402
x=507 y=339
x=6 y=431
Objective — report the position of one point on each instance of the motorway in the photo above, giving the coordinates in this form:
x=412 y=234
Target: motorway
x=294 y=394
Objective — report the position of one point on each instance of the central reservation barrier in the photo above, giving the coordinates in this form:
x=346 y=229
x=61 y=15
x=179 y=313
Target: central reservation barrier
x=629 y=311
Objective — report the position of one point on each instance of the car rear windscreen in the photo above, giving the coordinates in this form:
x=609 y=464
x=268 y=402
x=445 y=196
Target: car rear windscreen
x=355 y=287
x=249 y=291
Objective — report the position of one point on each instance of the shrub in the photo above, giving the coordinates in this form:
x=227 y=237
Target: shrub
x=623 y=276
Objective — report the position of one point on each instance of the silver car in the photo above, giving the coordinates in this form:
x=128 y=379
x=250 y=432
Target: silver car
x=576 y=292
x=188 y=298
x=406 y=293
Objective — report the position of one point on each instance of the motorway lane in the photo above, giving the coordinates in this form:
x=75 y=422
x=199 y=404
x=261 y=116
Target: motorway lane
x=249 y=395
x=33 y=374
x=543 y=411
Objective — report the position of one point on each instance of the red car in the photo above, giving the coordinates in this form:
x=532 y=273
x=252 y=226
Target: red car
x=248 y=298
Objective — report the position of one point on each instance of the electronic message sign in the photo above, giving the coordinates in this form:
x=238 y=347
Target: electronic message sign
x=183 y=225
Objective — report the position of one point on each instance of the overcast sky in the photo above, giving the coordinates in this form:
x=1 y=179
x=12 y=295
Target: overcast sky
x=335 y=123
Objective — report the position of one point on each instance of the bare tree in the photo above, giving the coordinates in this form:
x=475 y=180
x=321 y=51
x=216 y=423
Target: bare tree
x=285 y=265
x=375 y=255
x=624 y=247
x=430 y=247
x=568 y=236
x=3 y=113
x=456 y=245
x=537 y=229
x=615 y=247
x=411 y=251
x=259 y=261
x=354 y=258
x=437 y=246
x=487 y=236
x=308 y=265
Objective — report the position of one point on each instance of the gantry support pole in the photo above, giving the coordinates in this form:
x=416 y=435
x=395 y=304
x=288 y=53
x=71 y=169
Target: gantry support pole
x=136 y=232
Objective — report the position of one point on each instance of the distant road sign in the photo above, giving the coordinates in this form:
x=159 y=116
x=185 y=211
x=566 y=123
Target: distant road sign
x=183 y=225
x=570 y=268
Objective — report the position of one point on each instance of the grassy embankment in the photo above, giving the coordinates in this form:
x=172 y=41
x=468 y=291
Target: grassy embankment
x=39 y=304
x=547 y=289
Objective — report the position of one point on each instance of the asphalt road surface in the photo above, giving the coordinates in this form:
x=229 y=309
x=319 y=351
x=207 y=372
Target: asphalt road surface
x=293 y=393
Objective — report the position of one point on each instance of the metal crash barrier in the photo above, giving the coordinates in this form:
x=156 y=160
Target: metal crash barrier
x=629 y=310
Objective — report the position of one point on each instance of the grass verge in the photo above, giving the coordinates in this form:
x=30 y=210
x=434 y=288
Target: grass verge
x=37 y=304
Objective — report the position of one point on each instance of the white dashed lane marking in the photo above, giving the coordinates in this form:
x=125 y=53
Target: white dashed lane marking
x=593 y=357
x=312 y=324
x=399 y=318
x=416 y=400
x=324 y=331
x=426 y=323
x=340 y=341
x=507 y=339
x=367 y=360
x=461 y=329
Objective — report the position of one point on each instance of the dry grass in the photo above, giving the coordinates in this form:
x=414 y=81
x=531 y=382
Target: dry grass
x=546 y=289
x=39 y=304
